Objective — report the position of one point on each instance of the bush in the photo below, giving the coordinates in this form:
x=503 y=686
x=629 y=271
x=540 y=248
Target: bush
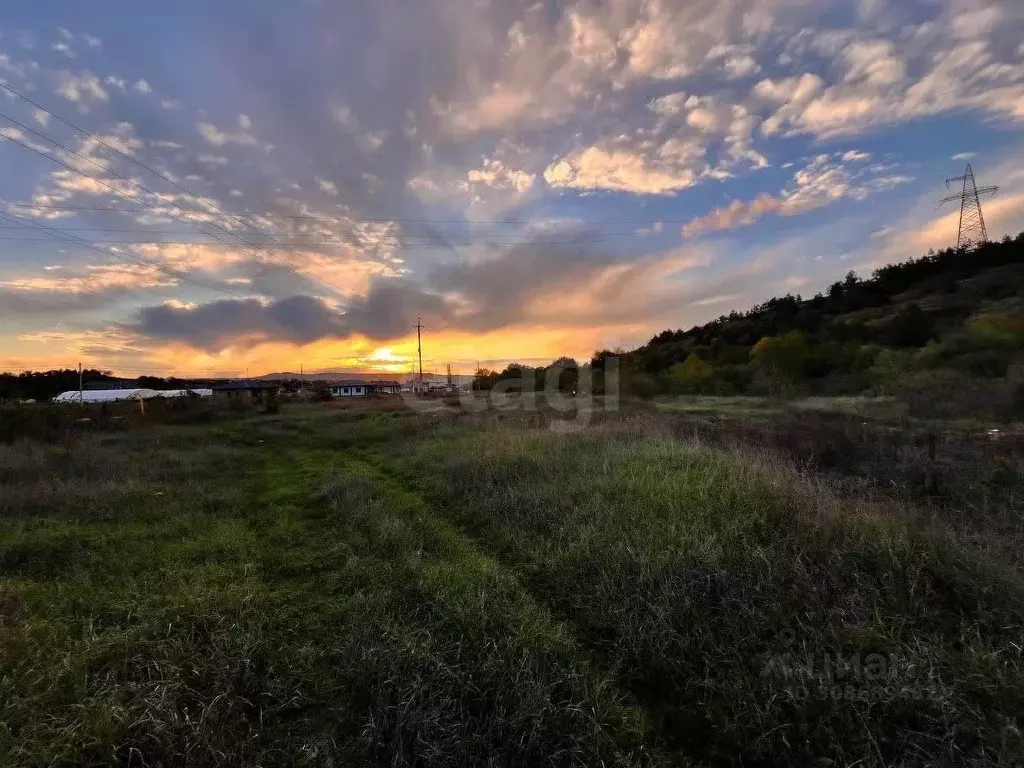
x=912 y=327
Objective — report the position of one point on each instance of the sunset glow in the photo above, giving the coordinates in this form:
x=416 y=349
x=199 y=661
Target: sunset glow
x=529 y=185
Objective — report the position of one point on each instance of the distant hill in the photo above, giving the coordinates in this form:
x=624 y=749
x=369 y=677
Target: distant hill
x=332 y=375
x=358 y=376
x=955 y=310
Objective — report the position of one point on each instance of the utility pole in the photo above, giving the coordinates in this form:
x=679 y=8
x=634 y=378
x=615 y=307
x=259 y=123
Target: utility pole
x=449 y=376
x=419 y=346
x=81 y=398
x=972 y=224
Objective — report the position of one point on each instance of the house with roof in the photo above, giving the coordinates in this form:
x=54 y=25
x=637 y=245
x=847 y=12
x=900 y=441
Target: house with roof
x=247 y=391
x=360 y=388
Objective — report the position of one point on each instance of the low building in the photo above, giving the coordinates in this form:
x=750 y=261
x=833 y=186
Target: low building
x=359 y=388
x=250 y=391
x=353 y=388
x=385 y=387
x=428 y=387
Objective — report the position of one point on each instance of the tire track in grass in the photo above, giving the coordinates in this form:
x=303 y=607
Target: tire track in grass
x=440 y=653
x=672 y=731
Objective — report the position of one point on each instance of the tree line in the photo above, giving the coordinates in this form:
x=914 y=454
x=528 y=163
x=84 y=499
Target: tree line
x=956 y=312
x=950 y=317
x=44 y=385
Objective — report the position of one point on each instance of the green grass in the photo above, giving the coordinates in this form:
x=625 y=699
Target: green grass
x=333 y=587
x=734 y=405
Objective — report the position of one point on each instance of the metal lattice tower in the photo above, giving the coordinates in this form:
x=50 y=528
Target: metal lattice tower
x=972 y=222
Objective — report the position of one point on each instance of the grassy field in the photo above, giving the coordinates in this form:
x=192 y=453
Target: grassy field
x=341 y=586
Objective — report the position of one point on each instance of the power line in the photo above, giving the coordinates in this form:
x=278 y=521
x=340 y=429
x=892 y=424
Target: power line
x=121 y=193
x=114 y=149
x=295 y=240
x=971 y=230
x=169 y=271
x=74 y=239
x=308 y=245
x=484 y=238
x=380 y=220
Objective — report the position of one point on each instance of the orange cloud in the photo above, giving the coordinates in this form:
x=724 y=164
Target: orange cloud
x=98 y=277
x=738 y=213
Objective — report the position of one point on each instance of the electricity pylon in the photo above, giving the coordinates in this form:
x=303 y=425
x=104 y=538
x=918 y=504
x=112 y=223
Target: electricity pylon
x=972 y=224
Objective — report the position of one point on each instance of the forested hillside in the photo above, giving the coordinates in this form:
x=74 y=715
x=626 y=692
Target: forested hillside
x=951 y=317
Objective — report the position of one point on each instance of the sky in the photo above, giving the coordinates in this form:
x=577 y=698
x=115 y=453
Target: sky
x=251 y=186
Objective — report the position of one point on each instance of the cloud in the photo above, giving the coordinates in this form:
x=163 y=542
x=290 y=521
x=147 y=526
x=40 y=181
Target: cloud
x=10 y=132
x=494 y=174
x=963 y=156
x=327 y=186
x=710 y=301
x=488 y=189
x=218 y=138
x=98 y=278
x=91 y=289
x=224 y=323
x=388 y=310
x=370 y=141
x=661 y=171
x=670 y=105
x=955 y=61
x=740 y=66
x=83 y=90
x=543 y=68
x=527 y=285
x=821 y=182
x=343 y=116
x=214 y=160
x=738 y=213
x=486 y=112
x=191 y=258
x=500 y=106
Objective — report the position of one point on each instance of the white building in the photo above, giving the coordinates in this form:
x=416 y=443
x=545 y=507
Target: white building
x=357 y=388
x=105 y=395
x=184 y=393
x=348 y=389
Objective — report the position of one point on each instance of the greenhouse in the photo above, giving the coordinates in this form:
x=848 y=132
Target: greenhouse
x=105 y=395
